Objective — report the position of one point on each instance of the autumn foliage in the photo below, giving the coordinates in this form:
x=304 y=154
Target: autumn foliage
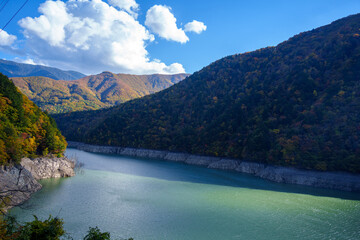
x=92 y=92
x=25 y=131
x=296 y=104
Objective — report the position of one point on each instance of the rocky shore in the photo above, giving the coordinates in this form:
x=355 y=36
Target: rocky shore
x=331 y=180
x=17 y=183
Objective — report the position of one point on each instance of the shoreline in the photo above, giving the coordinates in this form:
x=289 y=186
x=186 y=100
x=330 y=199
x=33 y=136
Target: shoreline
x=331 y=180
x=19 y=182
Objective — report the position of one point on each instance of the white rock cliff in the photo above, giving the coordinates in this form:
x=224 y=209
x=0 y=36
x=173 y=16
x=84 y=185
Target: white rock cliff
x=17 y=183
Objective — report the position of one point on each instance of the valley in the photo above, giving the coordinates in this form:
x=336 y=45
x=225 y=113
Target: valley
x=263 y=143
x=295 y=105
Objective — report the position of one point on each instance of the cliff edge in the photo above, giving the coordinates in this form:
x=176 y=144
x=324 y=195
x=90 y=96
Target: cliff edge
x=17 y=183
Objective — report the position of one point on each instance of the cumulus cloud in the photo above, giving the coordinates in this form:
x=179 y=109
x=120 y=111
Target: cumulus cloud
x=6 y=39
x=51 y=25
x=195 y=26
x=161 y=21
x=129 y=6
x=92 y=36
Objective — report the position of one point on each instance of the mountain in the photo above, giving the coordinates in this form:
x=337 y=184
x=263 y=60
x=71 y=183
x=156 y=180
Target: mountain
x=14 y=69
x=296 y=104
x=92 y=92
x=25 y=131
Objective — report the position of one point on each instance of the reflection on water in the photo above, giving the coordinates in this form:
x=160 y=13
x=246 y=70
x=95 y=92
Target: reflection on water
x=148 y=199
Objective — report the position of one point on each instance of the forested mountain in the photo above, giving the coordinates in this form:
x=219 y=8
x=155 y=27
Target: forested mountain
x=14 y=69
x=92 y=92
x=25 y=131
x=296 y=104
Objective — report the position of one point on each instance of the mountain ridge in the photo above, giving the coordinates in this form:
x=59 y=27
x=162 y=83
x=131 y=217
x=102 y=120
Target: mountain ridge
x=15 y=69
x=92 y=92
x=292 y=105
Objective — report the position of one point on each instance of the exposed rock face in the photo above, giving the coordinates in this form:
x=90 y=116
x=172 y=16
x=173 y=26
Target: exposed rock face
x=332 y=180
x=225 y=164
x=176 y=157
x=42 y=168
x=200 y=160
x=17 y=183
x=250 y=167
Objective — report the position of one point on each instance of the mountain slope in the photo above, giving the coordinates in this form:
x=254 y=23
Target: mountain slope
x=25 y=131
x=296 y=104
x=92 y=92
x=14 y=69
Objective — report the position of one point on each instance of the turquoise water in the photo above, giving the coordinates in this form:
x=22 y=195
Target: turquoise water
x=148 y=199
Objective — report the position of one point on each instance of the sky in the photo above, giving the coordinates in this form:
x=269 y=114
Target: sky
x=153 y=36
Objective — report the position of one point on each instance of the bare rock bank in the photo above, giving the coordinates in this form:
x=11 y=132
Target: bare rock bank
x=17 y=183
x=42 y=168
x=331 y=180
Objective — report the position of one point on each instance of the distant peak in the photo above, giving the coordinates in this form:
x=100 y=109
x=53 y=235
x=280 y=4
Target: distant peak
x=106 y=72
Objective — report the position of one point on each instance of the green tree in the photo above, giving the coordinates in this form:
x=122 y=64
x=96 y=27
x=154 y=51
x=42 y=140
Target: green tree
x=25 y=131
x=96 y=234
x=50 y=229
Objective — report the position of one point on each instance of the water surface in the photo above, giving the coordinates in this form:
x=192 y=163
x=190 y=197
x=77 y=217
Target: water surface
x=149 y=199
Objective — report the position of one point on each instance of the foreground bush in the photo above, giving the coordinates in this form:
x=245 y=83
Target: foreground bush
x=49 y=229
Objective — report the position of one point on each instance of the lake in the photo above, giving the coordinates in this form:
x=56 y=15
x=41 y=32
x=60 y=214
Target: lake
x=150 y=199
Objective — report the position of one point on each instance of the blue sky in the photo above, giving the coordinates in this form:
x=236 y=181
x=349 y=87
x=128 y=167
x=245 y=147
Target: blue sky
x=143 y=38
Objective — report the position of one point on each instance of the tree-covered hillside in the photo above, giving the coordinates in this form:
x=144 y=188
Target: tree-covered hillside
x=92 y=92
x=25 y=131
x=296 y=104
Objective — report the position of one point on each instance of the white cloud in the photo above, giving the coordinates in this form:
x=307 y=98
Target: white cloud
x=28 y=61
x=129 y=6
x=91 y=36
x=161 y=21
x=195 y=26
x=6 y=39
x=49 y=26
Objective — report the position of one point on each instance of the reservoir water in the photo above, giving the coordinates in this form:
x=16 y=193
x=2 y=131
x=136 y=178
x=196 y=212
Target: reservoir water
x=149 y=199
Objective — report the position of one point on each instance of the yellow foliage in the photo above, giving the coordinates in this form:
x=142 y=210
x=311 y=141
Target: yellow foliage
x=276 y=131
x=3 y=154
x=30 y=145
x=341 y=93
